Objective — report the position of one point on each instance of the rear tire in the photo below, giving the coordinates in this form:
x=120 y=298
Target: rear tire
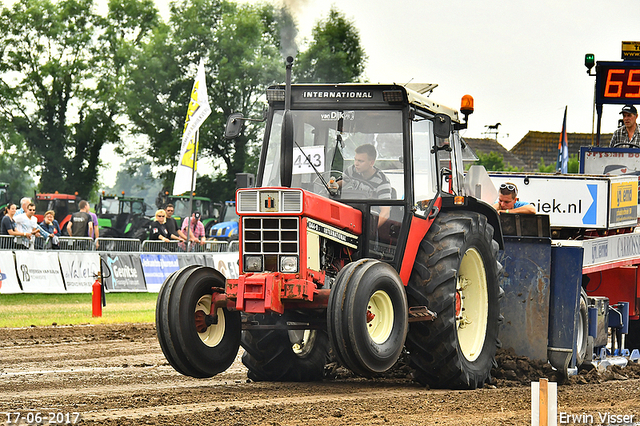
x=279 y=355
x=367 y=317
x=184 y=299
x=456 y=275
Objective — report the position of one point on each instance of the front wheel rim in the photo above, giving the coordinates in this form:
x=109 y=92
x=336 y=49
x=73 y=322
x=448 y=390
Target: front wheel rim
x=472 y=305
x=214 y=333
x=380 y=316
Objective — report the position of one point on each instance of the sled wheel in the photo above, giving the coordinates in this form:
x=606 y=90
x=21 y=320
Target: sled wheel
x=367 y=317
x=456 y=275
x=582 y=330
x=198 y=346
x=632 y=341
x=279 y=355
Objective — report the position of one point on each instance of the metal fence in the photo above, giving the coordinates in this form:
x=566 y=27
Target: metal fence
x=118 y=244
x=9 y=242
x=176 y=246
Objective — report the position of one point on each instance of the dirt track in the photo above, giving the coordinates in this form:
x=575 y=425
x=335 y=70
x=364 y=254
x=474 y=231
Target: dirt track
x=117 y=375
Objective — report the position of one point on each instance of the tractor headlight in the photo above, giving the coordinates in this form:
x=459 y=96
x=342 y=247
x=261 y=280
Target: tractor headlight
x=253 y=263
x=289 y=264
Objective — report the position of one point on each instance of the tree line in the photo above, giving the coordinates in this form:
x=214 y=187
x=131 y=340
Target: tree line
x=73 y=80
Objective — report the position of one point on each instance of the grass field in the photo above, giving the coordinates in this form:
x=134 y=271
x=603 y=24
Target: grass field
x=24 y=310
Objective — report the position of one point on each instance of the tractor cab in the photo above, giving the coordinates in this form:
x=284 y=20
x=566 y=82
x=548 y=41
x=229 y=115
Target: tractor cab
x=385 y=150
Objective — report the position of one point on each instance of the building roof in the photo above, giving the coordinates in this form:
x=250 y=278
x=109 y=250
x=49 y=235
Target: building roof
x=486 y=145
x=536 y=145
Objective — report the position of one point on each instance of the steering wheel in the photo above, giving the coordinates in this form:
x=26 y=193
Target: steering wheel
x=629 y=144
x=327 y=175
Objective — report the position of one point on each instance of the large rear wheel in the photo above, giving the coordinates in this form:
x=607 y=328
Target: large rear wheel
x=456 y=275
x=196 y=343
x=280 y=355
x=367 y=317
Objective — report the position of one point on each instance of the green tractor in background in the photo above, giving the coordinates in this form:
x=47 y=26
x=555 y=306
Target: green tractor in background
x=210 y=211
x=123 y=217
x=4 y=197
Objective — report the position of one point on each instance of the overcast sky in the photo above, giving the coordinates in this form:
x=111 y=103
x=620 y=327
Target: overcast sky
x=523 y=62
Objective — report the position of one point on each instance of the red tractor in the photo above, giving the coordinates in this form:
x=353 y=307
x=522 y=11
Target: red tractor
x=334 y=260
x=64 y=205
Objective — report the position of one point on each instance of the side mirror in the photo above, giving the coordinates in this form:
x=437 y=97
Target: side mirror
x=442 y=126
x=234 y=125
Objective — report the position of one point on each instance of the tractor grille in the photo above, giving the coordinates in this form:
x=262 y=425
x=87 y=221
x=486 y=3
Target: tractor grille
x=269 y=201
x=266 y=235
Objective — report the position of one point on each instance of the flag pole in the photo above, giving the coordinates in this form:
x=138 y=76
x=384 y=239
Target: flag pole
x=193 y=178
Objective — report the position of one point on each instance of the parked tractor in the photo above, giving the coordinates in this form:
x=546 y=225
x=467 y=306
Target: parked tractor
x=122 y=217
x=226 y=228
x=4 y=197
x=64 y=205
x=331 y=262
x=209 y=211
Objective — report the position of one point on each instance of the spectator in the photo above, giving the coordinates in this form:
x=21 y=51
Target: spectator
x=80 y=224
x=196 y=229
x=50 y=229
x=96 y=230
x=159 y=230
x=24 y=203
x=8 y=225
x=27 y=225
x=508 y=201
x=172 y=225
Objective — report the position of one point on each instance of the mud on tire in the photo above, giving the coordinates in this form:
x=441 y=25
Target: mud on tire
x=184 y=296
x=456 y=274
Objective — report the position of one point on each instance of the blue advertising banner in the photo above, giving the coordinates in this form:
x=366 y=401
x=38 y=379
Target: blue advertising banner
x=156 y=268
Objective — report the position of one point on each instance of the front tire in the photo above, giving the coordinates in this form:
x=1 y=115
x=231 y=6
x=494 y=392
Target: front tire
x=192 y=344
x=367 y=317
x=456 y=275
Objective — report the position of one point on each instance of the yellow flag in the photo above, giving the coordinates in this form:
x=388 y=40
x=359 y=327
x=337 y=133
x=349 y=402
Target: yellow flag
x=197 y=112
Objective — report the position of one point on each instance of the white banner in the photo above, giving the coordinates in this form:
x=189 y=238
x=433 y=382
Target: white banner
x=197 y=112
x=227 y=263
x=79 y=270
x=8 y=278
x=39 y=273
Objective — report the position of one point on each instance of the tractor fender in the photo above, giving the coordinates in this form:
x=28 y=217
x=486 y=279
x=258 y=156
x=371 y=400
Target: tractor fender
x=478 y=206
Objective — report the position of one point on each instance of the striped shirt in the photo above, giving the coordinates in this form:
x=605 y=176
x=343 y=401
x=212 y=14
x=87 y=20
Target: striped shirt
x=377 y=186
x=621 y=136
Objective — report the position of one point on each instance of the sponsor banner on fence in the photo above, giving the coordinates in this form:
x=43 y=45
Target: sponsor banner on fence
x=193 y=259
x=79 y=270
x=39 y=272
x=8 y=278
x=124 y=272
x=156 y=268
x=227 y=263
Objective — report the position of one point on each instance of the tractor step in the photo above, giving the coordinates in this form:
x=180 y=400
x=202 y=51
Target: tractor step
x=421 y=313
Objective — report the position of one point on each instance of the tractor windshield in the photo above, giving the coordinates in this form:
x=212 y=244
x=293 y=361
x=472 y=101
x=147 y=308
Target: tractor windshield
x=358 y=154
x=109 y=206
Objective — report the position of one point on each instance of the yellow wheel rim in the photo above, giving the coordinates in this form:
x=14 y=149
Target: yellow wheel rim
x=472 y=305
x=380 y=316
x=213 y=335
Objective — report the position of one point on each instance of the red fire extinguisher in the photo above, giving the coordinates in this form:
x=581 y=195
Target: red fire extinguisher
x=96 y=296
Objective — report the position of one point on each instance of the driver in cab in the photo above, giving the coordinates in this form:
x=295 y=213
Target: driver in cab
x=364 y=176
x=628 y=133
